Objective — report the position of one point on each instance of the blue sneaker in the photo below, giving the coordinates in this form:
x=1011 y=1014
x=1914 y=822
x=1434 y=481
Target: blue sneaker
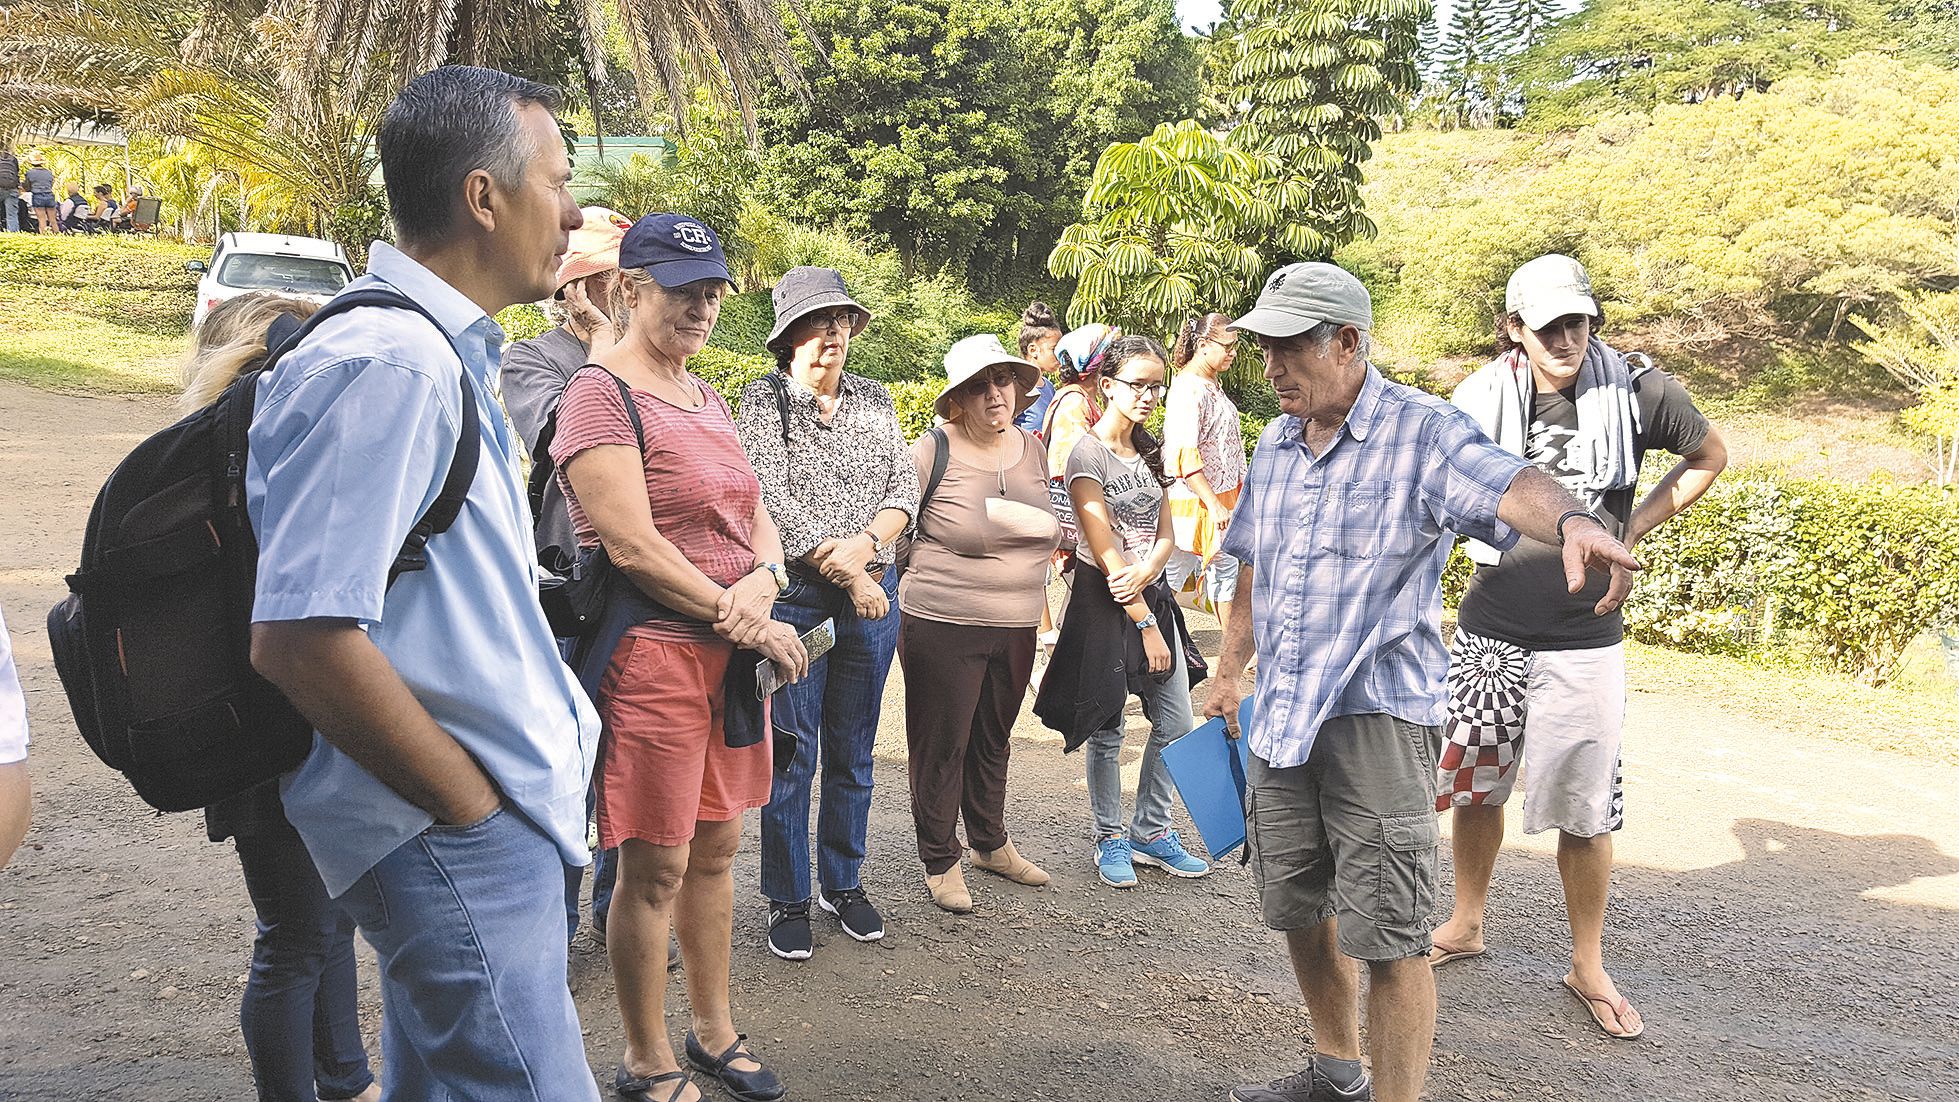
x=1168 y=853
x=1113 y=864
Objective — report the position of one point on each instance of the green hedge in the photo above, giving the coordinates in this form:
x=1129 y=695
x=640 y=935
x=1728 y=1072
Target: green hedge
x=132 y=282
x=1853 y=572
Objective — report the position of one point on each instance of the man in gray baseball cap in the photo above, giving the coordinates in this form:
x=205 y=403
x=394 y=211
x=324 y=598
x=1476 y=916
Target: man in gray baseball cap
x=1354 y=497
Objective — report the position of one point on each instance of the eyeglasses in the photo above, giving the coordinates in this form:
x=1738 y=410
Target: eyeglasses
x=1154 y=390
x=823 y=323
x=1230 y=347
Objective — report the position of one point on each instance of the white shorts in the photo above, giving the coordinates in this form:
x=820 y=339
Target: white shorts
x=1216 y=583
x=1558 y=713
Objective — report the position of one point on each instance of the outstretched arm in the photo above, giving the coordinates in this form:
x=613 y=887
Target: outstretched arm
x=1533 y=505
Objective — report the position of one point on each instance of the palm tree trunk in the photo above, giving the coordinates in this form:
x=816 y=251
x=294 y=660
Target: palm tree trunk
x=598 y=119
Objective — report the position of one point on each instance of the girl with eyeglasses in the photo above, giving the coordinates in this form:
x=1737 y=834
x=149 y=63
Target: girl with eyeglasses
x=1123 y=632
x=1204 y=448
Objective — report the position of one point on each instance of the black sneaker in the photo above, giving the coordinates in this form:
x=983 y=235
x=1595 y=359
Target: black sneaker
x=1310 y=1085
x=860 y=920
x=789 y=936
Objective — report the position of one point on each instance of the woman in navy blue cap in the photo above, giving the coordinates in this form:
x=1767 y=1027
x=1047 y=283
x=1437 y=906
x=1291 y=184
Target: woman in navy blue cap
x=653 y=473
x=840 y=482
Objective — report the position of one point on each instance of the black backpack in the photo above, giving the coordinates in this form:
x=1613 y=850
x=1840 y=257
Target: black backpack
x=153 y=643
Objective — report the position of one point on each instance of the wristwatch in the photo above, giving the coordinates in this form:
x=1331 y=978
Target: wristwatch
x=1574 y=514
x=877 y=545
x=1146 y=622
x=776 y=571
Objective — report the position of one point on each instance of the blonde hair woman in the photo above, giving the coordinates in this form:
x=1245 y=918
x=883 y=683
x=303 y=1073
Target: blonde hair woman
x=231 y=342
x=301 y=1007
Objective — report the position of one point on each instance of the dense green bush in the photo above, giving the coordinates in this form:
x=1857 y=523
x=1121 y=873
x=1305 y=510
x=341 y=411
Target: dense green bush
x=1855 y=572
x=1770 y=216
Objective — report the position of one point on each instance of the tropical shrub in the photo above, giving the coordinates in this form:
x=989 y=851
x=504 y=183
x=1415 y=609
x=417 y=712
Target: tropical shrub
x=1853 y=572
x=1769 y=217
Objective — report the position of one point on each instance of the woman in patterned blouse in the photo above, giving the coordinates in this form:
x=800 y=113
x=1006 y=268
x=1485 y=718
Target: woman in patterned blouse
x=1204 y=447
x=839 y=481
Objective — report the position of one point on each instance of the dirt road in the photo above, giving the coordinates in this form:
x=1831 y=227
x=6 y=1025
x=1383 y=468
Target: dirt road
x=1784 y=915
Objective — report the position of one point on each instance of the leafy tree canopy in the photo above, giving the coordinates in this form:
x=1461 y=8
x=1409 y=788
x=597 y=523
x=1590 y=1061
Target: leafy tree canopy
x=1190 y=219
x=959 y=132
x=1639 y=54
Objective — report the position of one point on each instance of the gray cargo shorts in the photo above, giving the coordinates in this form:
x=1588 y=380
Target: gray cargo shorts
x=1351 y=834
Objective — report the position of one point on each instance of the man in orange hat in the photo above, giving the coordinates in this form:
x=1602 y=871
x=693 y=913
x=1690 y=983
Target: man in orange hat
x=535 y=372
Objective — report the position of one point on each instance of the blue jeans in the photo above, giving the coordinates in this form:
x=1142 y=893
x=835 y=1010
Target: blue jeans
x=835 y=711
x=605 y=874
x=301 y=1012
x=468 y=923
x=13 y=212
x=1167 y=704
x=605 y=862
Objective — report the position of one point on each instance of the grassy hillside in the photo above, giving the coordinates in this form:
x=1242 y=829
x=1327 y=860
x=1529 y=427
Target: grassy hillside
x=98 y=314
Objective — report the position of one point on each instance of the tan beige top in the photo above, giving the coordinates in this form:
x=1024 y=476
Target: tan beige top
x=980 y=557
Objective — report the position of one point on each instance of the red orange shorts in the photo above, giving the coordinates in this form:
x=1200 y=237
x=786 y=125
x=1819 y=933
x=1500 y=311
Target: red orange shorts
x=663 y=764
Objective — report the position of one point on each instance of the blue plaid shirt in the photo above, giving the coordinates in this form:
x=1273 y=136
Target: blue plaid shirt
x=1347 y=551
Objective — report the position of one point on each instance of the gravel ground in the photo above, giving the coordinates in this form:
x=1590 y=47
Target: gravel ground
x=1783 y=915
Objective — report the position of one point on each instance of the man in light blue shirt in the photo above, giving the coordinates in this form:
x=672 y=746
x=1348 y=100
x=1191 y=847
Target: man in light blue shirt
x=1353 y=500
x=446 y=787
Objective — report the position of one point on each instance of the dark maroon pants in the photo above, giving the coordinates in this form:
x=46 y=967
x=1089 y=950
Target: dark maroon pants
x=963 y=688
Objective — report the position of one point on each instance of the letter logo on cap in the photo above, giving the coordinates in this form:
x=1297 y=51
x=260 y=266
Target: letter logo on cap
x=693 y=237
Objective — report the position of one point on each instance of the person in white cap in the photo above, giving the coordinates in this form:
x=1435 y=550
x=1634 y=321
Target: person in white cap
x=1537 y=677
x=1346 y=517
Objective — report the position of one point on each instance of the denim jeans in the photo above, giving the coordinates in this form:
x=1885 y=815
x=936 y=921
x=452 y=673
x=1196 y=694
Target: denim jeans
x=605 y=862
x=13 y=214
x=301 y=1012
x=605 y=875
x=1168 y=706
x=833 y=713
x=468 y=923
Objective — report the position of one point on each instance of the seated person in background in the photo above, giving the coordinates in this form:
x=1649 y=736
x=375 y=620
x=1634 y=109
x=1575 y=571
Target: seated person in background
x=104 y=209
x=73 y=210
x=125 y=218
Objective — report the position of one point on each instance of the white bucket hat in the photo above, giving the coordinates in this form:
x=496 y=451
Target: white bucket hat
x=967 y=358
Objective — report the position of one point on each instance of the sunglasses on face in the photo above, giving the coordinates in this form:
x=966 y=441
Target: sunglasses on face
x=841 y=320
x=1003 y=378
x=1230 y=347
x=1154 y=390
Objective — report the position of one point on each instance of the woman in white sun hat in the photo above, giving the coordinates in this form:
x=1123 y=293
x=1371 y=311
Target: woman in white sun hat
x=969 y=603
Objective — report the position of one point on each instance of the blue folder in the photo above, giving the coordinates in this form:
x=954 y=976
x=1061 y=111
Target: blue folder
x=1209 y=770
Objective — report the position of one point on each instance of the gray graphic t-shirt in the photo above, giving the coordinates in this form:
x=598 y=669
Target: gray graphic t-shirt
x=1135 y=496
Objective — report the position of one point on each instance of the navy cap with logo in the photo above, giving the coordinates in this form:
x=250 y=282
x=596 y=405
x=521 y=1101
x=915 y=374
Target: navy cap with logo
x=674 y=249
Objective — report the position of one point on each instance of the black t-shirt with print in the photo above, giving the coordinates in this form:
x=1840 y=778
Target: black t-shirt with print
x=1522 y=600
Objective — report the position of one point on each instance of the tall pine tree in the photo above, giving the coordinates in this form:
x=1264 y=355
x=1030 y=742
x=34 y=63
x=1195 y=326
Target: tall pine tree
x=1467 y=65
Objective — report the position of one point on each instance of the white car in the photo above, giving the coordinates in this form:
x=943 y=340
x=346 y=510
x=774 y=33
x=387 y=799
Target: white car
x=303 y=267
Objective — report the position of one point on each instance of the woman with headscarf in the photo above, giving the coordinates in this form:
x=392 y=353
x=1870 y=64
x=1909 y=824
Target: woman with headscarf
x=970 y=600
x=838 y=480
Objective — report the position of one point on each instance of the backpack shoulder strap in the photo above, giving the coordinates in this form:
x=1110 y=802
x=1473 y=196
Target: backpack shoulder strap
x=940 y=449
x=939 y=452
x=448 y=502
x=780 y=385
x=543 y=466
